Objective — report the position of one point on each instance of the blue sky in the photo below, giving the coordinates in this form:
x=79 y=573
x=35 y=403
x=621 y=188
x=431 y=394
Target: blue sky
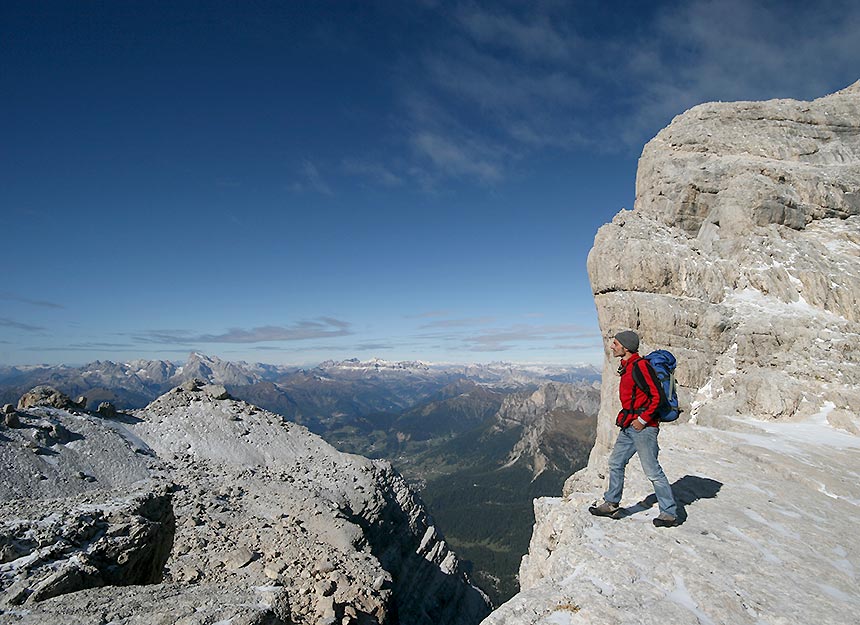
x=288 y=182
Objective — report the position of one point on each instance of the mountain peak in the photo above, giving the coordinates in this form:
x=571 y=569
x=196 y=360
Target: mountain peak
x=374 y=364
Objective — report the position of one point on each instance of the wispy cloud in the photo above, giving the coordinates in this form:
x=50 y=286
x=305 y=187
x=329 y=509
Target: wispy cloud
x=460 y=323
x=736 y=50
x=579 y=347
x=527 y=104
x=455 y=157
x=77 y=348
x=11 y=323
x=507 y=79
x=515 y=337
x=301 y=331
x=375 y=171
x=521 y=335
x=167 y=337
x=498 y=84
x=337 y=349
x=33 y=302
x=495 y=83
x=86 y=347
x=312 y=180
x=536 y=36
x=324 y=327
x=99 y=346
x=429 y=314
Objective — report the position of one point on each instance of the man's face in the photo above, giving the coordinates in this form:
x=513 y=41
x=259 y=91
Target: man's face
x=616 y=348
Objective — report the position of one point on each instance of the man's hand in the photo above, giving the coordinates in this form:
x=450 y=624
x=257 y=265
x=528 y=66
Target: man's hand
x=637 y=425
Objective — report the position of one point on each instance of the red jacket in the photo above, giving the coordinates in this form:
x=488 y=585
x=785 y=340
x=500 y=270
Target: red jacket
x=634 y=401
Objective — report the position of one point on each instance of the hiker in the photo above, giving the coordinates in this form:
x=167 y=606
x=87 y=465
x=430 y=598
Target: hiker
x=639 y=428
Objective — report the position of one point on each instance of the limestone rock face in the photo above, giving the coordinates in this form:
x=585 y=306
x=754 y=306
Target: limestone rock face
x=742 y=257
x=86 y=543
x=724 y=169
x=555 y=419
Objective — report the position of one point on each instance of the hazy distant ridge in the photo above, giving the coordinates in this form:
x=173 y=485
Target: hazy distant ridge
x=135 y=383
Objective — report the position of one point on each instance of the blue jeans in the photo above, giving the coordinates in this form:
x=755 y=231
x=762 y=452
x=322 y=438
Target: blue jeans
x=645 y=444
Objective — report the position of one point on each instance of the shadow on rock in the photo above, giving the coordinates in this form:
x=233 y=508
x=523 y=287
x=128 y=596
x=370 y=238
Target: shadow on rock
x=687 y=490
x=122 y=417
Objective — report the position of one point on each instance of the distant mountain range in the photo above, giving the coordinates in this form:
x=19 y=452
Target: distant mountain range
x=349 y=386
x=480 y=442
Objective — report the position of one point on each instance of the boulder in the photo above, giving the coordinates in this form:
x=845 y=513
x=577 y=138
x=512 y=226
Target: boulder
x=46 y=396
x=216 y=391
x=192 y=385
x=107 y=410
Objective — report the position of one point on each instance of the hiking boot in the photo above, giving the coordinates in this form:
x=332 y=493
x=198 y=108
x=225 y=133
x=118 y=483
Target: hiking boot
x=607 y=508
x=664 y=520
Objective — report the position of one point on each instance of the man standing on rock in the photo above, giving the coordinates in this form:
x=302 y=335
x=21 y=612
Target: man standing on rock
x=639 y=428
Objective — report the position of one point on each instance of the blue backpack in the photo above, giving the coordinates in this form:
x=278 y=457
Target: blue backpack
x=661 y=366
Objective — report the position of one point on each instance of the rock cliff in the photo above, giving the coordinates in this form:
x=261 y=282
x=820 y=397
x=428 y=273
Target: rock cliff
x=556 y=420
x=741 y=256
x=215 y=511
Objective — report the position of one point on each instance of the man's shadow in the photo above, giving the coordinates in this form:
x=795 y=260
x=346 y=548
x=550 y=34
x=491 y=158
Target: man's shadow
x=689 y=489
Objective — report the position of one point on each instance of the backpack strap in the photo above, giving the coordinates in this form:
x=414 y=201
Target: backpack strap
x=639 y=380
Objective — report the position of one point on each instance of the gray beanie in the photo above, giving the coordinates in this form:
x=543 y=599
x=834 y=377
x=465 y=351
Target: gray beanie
x=629 y=340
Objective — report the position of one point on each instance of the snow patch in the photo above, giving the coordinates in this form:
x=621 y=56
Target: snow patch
x=754 y=302
x=559 y=618
x=767 y=554
x=814 y=430
x=776 y=526
x=683 y=598
x=838 y=594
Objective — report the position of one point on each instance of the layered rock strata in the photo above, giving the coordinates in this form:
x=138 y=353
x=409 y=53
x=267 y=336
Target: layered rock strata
x=741 y=256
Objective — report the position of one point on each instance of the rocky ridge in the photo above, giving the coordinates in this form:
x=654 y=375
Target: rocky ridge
x=552 y=417
x=742 y=256
x=226 y=512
